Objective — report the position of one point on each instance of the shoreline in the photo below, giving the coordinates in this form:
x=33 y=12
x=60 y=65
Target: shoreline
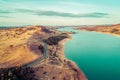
x=56 y=62
x=111 y=30
x=118 y=35
x=73 y=65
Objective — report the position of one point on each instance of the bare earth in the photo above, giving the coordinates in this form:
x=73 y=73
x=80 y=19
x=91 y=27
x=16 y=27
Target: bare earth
x=23 y=46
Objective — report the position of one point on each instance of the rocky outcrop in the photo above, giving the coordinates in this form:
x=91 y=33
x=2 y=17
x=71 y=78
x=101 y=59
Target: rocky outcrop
x=54 y=39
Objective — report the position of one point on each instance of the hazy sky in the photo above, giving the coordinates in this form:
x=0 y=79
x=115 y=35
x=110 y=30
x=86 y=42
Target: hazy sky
x=59 y=12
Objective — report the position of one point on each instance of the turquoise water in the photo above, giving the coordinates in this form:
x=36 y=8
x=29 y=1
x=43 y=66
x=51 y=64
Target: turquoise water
x=97 y=54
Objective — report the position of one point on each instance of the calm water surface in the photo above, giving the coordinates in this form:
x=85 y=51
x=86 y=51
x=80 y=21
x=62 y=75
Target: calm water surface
x=97 y=54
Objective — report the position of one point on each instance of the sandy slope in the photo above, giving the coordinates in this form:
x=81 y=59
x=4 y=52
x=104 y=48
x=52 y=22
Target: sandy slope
x=15 y=46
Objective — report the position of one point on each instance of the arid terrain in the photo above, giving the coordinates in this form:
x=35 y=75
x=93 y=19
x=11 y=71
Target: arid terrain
x=112 y=29
x=36 y=53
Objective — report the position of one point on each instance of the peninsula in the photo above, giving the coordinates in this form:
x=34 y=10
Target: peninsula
x=36 y=53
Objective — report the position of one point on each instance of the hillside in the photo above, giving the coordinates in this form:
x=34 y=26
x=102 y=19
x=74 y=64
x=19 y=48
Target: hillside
x=113 y=29
x=37 y=52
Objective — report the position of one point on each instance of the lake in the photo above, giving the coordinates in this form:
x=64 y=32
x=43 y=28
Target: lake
x=97 y=54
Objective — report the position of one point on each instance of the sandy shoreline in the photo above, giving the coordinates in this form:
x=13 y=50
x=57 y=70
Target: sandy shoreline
x=111 y=30
x=72 y=64
x=101 y=32
x=109 y=33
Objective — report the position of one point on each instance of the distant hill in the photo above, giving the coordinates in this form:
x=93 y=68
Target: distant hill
x=110 y=29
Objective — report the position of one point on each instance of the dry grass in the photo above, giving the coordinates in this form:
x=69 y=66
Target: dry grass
x=113 y=29
x=14 y=48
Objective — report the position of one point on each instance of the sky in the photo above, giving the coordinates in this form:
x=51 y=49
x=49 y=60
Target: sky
x=59 y=12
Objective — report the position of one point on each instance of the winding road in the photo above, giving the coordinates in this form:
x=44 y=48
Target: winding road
x=45 y=55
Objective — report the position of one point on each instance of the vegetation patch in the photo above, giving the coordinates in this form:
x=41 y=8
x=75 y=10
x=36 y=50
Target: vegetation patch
x=17 y=73
x=55 y=39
